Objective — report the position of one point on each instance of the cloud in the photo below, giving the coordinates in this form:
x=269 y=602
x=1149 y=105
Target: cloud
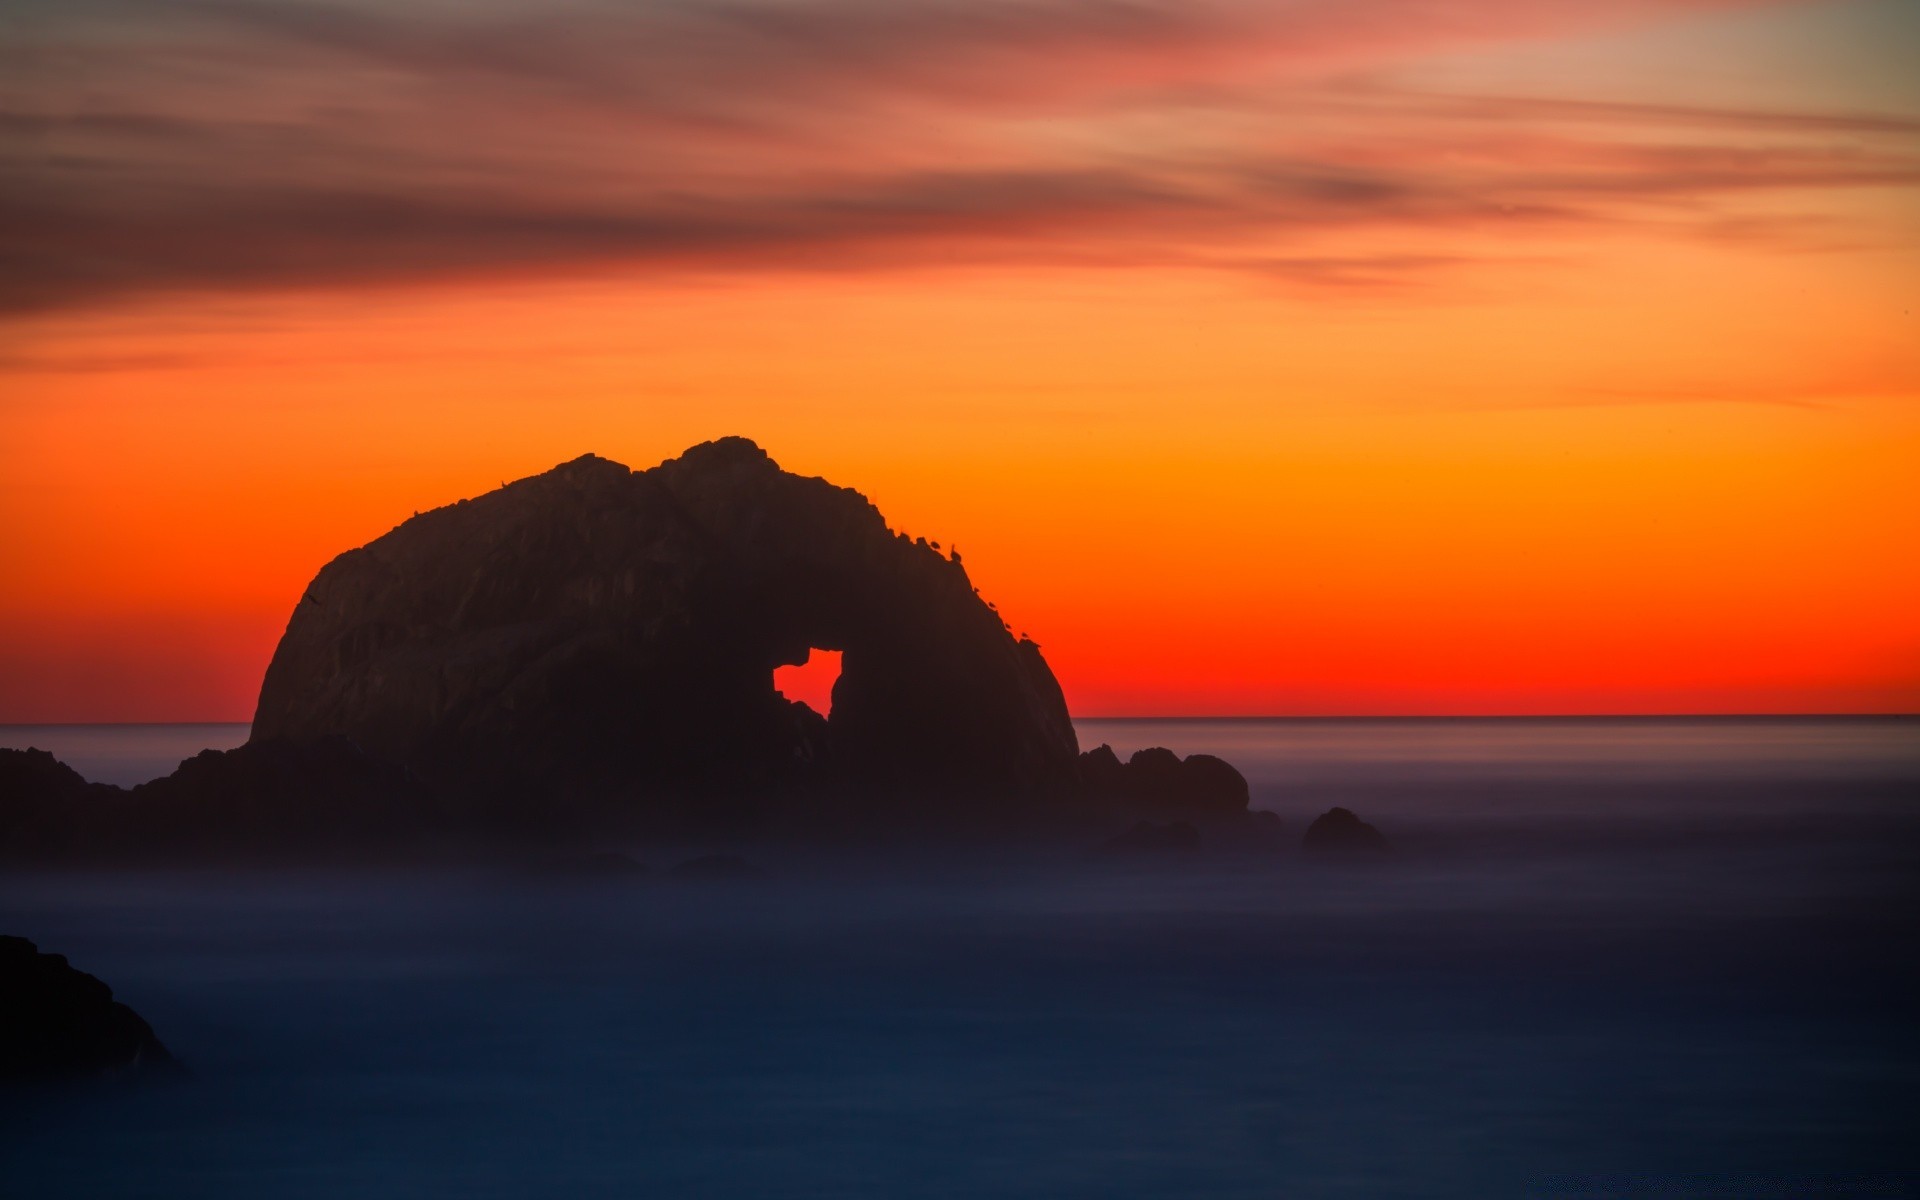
x=221 y=144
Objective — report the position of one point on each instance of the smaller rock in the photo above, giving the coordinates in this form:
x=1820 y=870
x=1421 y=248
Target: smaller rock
x=716 y=866
x=1155 y=774
x=1213 y=784
x=1260 y=830
x=1339 y=831
x=32 y=772
x=60 y=1023
x=1153 y=838
x=1159 y=782
x=1102 y=772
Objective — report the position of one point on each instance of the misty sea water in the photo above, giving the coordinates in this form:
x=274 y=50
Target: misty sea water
x=1631 y=957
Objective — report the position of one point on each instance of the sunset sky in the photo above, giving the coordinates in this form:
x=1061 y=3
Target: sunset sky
x=1282 y=357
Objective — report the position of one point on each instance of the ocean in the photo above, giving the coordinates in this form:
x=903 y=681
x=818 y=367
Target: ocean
x=1623 y=957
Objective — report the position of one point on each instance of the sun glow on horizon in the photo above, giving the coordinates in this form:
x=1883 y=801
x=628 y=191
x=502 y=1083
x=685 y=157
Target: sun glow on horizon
x=1353 y=359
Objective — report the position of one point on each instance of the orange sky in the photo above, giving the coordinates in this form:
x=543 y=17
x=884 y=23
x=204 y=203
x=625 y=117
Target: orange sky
x=1326 y=364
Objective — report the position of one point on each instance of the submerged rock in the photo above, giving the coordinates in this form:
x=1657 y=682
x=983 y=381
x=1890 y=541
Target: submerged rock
x=1153 y=838
x=60 y=1023
x=1261 y=830
x=1339 y=831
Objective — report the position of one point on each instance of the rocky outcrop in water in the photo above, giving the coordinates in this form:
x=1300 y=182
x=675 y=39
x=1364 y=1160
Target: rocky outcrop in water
x=60 y=1023
x=1158 y=782
x=599 y=635
x=319 y=798
x=1164 y=792
x=45 y=804
x=1150 y=837
x=1338 y=831
x=588 y=654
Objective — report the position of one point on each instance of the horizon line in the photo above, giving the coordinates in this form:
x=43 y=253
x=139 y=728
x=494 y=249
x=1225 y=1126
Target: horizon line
x=1572 y=716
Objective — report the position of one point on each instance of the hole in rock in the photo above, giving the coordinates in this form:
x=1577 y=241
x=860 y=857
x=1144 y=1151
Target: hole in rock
x=811 y=682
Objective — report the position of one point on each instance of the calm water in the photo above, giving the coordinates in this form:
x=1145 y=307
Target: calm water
x=1609 y=958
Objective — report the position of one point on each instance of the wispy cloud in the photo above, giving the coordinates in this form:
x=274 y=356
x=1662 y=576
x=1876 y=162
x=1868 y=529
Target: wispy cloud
x=214 y=144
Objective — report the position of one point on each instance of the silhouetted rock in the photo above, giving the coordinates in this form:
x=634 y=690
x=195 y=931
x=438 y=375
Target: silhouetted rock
x=1261 y=830
x=1151 y=837
x=45 y=804
x=1213 y=784
x=56 y=1022
x=1155 y=774
x=296 y=799
x=317 y=795
x=1158 y=781
x=716 y=866
x=34 y=772
x=588 y=655
x=1102 y=773
x=597 y=636
x=1339 y=831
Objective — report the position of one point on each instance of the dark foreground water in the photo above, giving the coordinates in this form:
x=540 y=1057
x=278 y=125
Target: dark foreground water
x=1609 y=958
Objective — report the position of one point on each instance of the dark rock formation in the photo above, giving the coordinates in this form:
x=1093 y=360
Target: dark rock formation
x=1339 y=831
x=1149 y=837
x=59 y=1023
x=34 y=772
x=586 y=656
x=312 y=798
x=1262 y=830
x=44 y=804
x=1101 y=771
x=320 y=794
x=596 y=634
x=1157 y=781
x=716 y=866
